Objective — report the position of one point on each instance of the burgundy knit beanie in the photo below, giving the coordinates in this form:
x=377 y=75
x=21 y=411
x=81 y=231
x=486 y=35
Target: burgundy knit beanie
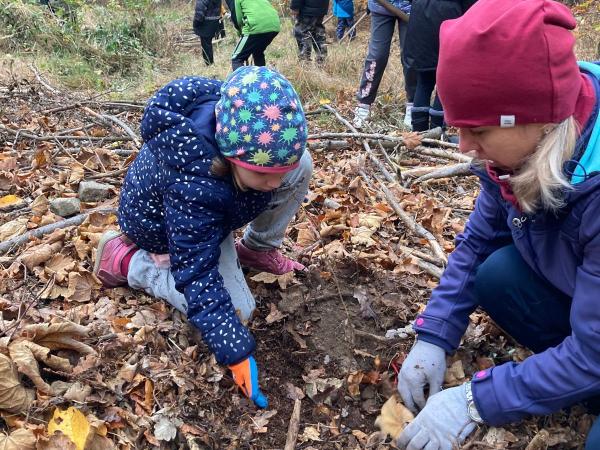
x=507 y=63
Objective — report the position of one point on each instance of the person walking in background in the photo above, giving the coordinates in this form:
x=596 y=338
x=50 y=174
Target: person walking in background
x=309 y=30
x=344 y=11
x=421 y=56
x=258 y=23
x=206 y=24
x=385 y=16
x=529 y=255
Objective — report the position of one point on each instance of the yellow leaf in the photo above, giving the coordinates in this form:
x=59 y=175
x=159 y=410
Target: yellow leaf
x=324 y=101
x=72 y=423
x=394 y=417
x=9 y=200
x=20 y=439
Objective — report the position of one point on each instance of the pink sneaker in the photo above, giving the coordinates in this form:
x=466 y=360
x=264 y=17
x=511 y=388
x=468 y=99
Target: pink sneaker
x=271 y=261
x=112 y=249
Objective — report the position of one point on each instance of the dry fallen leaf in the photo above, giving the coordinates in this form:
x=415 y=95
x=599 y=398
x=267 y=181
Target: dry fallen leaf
x=394 y=417
x=13 y=395
x=73 y=424
x=269 y=278
x=455 y=374
x=13 y=228
x=59 y=336
x=59 y=266
x=411 y=139
x=310 y=434
x=166 y=428
x=20 y=439
x=34 y=256
x=57 y=441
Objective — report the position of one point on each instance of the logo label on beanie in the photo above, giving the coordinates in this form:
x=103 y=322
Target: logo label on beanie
x=507 y=121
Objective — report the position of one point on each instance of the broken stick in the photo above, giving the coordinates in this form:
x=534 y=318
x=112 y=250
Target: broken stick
x=294 y=427
x=47 y=229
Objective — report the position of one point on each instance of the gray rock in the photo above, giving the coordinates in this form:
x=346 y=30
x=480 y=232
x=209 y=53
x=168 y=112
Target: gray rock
x=65 y=207
x=91 y=191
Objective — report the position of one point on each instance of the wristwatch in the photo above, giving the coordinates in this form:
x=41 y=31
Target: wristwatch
x=471 y=408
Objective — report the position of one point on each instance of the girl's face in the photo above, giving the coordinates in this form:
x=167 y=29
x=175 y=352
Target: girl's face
x=249 y=179
x=505 y=148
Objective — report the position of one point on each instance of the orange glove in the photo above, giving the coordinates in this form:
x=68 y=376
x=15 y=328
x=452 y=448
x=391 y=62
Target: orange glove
x=245 y=375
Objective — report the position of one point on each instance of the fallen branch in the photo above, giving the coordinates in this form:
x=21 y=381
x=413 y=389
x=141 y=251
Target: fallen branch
x=107 y=118
x=108 y=174
x=371 y=336
x=455 y=170
x=420 y=255
x=420 y=171
x=15 y=242
x=432 y=270
x=294 y=427
x=408 y=221
x=40 y=80
x=441 y=153
x=56 y=137
x=356 y=134
x=438 y=143
x=372 y=156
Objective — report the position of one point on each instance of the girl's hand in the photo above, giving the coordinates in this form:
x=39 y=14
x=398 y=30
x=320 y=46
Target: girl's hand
x=245 y=375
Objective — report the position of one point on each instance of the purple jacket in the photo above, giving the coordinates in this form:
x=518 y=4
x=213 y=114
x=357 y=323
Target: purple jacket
x=565 y=250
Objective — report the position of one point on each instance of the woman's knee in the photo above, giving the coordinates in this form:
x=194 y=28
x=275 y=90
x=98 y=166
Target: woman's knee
x=593 y=439
x=497 y=274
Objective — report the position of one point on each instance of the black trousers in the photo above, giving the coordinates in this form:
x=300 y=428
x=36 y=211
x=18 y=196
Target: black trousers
x=206 y=30
x=251 y=45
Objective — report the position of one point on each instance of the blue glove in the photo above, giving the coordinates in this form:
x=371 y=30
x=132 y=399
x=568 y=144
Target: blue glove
x=245 y=375
x=443 y=423
x=424 y=365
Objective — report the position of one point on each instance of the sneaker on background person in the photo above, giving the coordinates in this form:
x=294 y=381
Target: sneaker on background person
x=361 y=115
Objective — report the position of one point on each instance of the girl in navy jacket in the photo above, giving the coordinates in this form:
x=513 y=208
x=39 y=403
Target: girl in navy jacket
x=217 y=156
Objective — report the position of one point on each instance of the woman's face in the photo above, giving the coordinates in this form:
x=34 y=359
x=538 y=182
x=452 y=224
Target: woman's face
x=505 y=148
x=249 y=179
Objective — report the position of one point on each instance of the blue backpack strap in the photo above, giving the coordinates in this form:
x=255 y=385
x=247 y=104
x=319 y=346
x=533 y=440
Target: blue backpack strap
x=590 y=160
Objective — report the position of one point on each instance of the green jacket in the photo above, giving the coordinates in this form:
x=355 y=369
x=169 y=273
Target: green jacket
x=256 y=16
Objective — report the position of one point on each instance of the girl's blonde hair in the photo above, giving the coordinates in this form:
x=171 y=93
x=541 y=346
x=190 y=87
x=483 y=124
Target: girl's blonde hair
x=220 y=167
x=541 y=181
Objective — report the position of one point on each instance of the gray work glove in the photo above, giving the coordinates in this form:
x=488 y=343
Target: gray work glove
x=444 y=422
x=424 y=365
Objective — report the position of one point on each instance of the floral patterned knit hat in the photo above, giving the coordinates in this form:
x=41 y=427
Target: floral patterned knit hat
x=260 y=121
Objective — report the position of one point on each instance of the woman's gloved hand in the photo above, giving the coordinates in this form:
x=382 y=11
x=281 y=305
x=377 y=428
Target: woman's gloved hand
x=424 y=365
x=442 y=424
x=245 y=375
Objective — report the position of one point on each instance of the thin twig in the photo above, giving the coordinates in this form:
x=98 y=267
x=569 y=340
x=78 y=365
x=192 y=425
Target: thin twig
x=107 y=118
x=408 y=221
x=372 y=156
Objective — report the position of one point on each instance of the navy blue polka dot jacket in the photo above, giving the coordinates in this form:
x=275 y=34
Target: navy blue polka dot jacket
x=172 y=203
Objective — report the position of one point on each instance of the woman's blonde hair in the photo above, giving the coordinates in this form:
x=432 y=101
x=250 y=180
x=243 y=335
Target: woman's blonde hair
x=540 y=182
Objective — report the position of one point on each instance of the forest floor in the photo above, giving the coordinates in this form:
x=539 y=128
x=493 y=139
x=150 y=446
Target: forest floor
x=138 y=376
